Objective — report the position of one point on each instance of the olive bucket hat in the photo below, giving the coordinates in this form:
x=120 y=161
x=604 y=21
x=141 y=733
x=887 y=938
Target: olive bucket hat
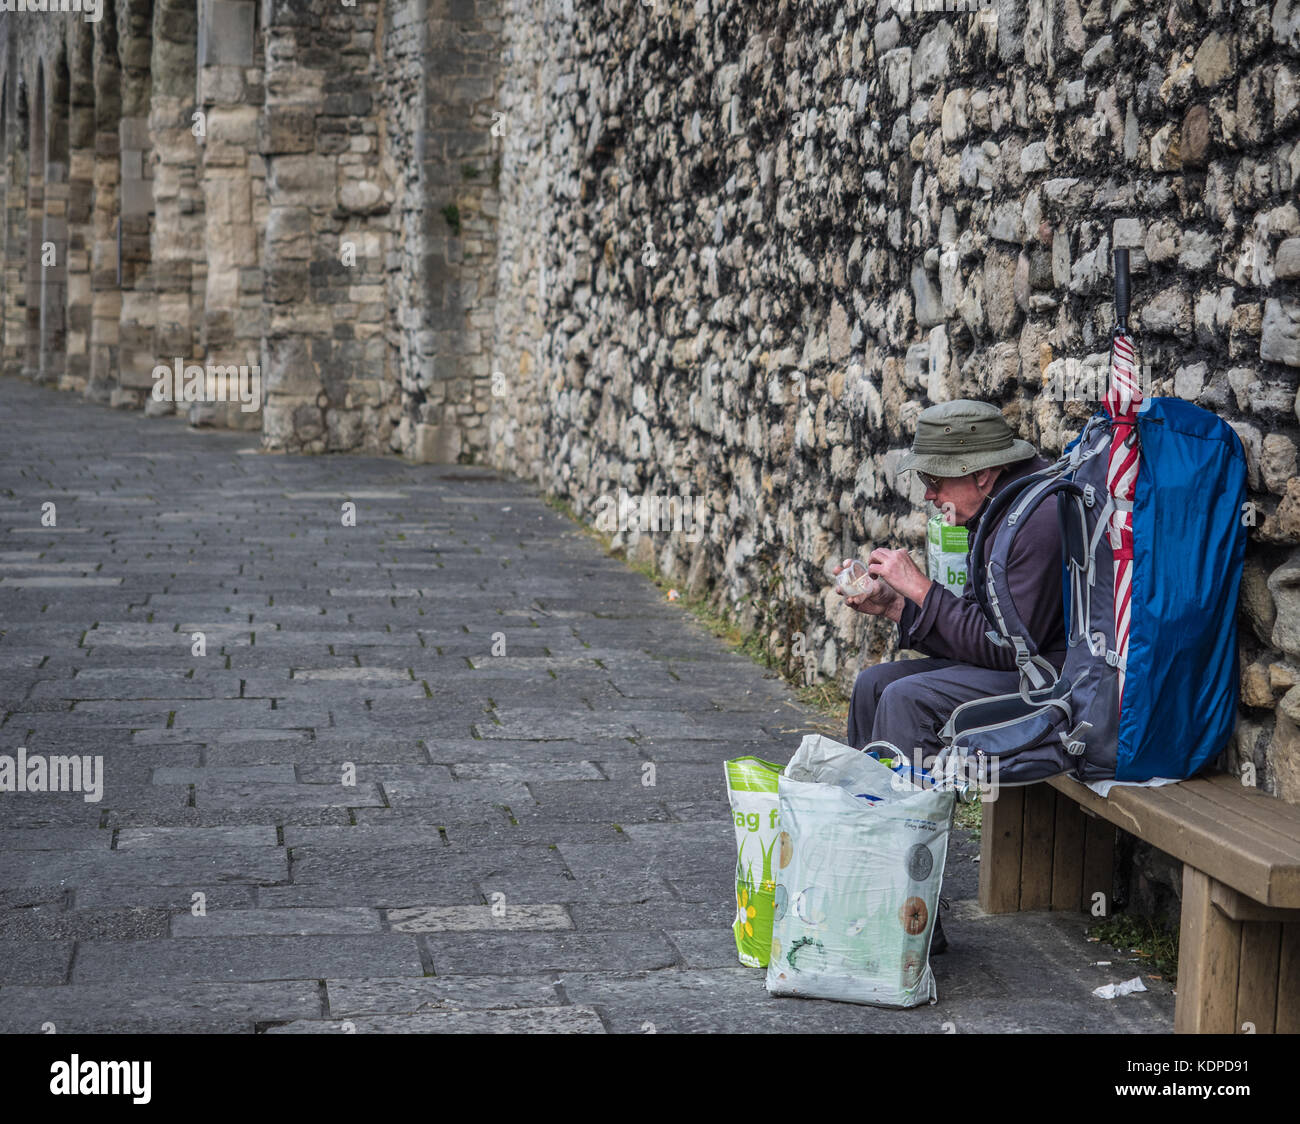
x=959 y=437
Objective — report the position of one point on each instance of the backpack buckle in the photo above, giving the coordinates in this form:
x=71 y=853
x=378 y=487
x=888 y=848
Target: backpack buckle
x=1074 y=744
x=1089 y=495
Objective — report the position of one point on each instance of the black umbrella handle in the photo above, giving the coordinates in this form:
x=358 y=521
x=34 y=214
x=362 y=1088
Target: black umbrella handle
x=1121 y=290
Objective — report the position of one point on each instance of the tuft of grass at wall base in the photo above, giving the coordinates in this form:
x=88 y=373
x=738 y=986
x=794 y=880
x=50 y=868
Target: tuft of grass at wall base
x=1154 y=948
x=826 y=700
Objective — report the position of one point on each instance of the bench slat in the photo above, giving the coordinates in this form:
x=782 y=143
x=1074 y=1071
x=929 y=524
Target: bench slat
x=1193 y=831
x=1000 y=852
x=1268 y=811
x=1098 y=863
x=1068 y=854
x=1278 y=861
x=1278 y=848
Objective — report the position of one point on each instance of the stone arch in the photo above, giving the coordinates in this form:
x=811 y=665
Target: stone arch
x=81 y=186
x=106 y=296
x=15 y=224
x=35 y=224
x=54 y=241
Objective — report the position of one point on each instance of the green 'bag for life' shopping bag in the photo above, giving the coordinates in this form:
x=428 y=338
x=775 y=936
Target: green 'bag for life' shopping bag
x=751 y=788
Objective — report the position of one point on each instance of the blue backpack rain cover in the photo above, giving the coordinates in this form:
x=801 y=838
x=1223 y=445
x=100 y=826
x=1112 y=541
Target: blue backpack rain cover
x=1189 y=547
x=1181 y=672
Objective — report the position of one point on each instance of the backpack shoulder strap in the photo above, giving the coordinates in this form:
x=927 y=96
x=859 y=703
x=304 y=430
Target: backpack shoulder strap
x=996 y=590
x=1010 y=510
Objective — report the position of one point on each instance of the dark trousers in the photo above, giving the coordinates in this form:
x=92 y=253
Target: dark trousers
x=907 y=702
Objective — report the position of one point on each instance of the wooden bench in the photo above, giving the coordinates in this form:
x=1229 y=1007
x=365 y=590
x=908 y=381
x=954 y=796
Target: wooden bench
x=1051 y=846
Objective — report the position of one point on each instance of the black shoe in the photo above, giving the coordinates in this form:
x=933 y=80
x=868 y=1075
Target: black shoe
x=938 y=942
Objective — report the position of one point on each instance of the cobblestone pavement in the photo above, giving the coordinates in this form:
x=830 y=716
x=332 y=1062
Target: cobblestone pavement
x=514 y=780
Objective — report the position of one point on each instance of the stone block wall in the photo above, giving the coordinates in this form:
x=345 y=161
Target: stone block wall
x=743 y=243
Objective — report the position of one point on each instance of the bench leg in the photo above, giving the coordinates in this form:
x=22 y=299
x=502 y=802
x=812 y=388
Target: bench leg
x=1067 y=855
x=1037 y=851
x=1287 y=1019
x=1209 y=961
x=1257 y=993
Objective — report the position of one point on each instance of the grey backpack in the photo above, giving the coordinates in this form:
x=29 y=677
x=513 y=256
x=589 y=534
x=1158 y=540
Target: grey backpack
x=1046 y=727
x=1165 y=705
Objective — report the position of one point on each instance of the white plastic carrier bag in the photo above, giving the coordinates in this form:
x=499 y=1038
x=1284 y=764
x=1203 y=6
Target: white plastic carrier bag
x=860 y=860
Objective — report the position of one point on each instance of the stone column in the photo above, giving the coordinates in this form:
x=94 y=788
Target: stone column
x=106 y=297
x=5 y=158
x=81 y=183
x=449 y=392
x=35 y=229
x=15 y=231
x=179 y=268
x=326 y=363
x=54 y=237
x=234 y=188
x=137 y=351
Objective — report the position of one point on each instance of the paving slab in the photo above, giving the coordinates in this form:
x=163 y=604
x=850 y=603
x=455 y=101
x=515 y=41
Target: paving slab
x=276 y=922
x=81 y=868
x=479 y=953
x=34 y=960
x=496 y=917
x=349 y=998
x=157 y=1007
x=541 y=1020
x=248 y=958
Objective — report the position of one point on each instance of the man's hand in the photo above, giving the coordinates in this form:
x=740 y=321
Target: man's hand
x=896 y=568
x=877 y=600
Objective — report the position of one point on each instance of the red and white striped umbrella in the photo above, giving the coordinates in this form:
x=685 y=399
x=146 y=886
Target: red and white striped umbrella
x=1123 y=399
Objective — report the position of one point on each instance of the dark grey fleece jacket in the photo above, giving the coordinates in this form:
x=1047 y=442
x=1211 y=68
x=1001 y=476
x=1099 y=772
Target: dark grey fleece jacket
x=953 y=627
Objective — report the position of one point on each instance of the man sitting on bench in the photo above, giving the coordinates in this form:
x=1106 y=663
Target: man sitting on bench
x=965 y=453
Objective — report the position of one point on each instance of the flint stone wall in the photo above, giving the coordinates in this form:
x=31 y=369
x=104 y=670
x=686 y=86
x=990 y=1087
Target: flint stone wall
x=743 y=244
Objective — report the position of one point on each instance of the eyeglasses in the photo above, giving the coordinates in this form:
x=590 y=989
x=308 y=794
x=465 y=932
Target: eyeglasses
x=931 y=482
